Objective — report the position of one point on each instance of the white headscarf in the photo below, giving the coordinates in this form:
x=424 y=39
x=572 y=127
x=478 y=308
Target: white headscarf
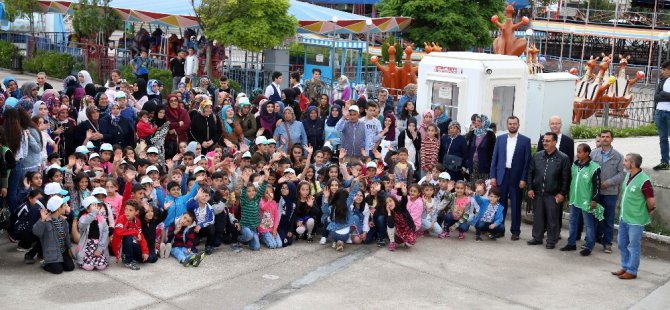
x=87 y=77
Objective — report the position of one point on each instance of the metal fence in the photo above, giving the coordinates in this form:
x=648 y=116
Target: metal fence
x=613 y=114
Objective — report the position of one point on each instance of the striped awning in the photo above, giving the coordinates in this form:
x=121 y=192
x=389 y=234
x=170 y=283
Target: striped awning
x=328 y=42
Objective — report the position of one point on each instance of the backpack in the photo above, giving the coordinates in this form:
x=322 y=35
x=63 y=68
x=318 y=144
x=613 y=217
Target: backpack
x=22 y=223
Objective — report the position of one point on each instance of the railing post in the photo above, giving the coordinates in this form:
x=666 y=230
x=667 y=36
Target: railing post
x=606 y=112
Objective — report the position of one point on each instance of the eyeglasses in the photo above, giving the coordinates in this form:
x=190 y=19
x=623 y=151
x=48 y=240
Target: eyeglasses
x=174 y=100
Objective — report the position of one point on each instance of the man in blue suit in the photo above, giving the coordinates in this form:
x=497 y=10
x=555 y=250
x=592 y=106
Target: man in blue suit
x=509 y=170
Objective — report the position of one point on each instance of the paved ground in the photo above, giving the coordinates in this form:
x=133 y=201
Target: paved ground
x=648 y=147
x=434 y=274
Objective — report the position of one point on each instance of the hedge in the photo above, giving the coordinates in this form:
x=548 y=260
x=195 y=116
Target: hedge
x=586 y=132
x=6 y=51
x=53 y=64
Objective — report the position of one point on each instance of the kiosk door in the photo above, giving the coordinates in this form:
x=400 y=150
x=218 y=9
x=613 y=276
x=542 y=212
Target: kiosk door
x=502 y=105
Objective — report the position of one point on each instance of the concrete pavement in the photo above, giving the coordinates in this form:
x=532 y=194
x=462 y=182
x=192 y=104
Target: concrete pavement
x=433 y=274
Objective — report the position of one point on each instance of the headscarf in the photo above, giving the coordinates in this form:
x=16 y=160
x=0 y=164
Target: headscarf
x=90 y=90
x=191 y=147
x=8 y=79
x=411 y=120
x=390 y=135
x=36 y=110
x=227 y=127
x=289 y=109
x=150 y=87
x=11 y=102
x=87 y=77
x=292 y=194
x=307 y=121
x=79 y=94
x=160 y=121
x=26 y=104
x=2 y=98
x=203 y=105
x=424 y=126
x=443 y=117
x=70 y=82
x=203 y=80
x=26 y=89
x=486 y=123
x=345 y=82
x=332 y=121
x=141 y=89
x=268 y=120
x=457 y=125
x=256 y=92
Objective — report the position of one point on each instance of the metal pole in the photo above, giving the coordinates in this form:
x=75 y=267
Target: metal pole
x=570 y=51
x=560 y=59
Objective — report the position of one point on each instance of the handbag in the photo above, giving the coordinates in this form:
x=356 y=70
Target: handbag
x=452 y=162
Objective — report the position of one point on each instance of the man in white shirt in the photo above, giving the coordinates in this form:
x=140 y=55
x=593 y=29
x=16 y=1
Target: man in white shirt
x=191 y=67
x=662 y=116
x=273 y=91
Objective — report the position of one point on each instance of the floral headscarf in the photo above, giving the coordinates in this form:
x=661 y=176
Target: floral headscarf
x=204 y=104
x=486 y=123
x=150 y=87
x=457 y=125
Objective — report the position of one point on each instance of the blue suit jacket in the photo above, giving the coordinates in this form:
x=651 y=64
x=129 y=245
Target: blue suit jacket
x=520 y=160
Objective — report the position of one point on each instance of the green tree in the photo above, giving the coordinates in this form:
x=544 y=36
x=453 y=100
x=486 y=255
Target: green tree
x=399 y=51
x=251 y=25
x=96 y=20
x=455 y=24
x=23 y=8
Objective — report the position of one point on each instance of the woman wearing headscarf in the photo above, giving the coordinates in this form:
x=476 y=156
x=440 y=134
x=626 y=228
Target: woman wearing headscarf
x=246 y=119
x=205 y=127
x=25 y=141
x=153 y=91
x=343 y=89
x=232 y=131
x=453 y=150
x=331 y=134
x=90 y=129
x=29 y=90
x=390 y=140
x=11 y=87
x=207 y=85
x=70 y=83
x=163 y=126
x=140 y=89
x=102 y=101
x=481 y=141
x=180 y=122
x=288 y=97
x=267 y=118
x=84 y=78
x=64 y=132
x=290 y=131
x=410 y=139
x=314 y=127
x=115 y=128
x=441 y=119
x=426 y=119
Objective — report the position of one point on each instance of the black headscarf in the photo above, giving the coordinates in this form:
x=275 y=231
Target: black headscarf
x=157 y=121
x=141 y=89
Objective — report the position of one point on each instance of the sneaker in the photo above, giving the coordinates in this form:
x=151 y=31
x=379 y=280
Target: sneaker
x=443 y=235
x=198 y=259
x=392 y=246
x=87 y=267
x=309 y=238
x=607 y=249
x=585 y=252
x=28 y=259
x=349 y=240
x=569 y=248
x=583 y=246
x=132 y=266
x=189 y=260
x=478 y=238
x=322 y=241
x=381 y=243
x=209 y=250
x=168 y=249
x=236 y=248
x=461 y=235
x=334 y=244
x=492 y=236
x=340 y=246
x=20 y=249
x=662 y=166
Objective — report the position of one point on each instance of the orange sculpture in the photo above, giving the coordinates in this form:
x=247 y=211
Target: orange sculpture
x=620 y=93
x=590 y=89
x=409 y=71
x=432 y=47
x=534 y=65
x=506 y=43
x=391 y=72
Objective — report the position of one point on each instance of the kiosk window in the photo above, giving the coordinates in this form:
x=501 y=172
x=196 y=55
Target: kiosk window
x=502 y=105
x=446 y=94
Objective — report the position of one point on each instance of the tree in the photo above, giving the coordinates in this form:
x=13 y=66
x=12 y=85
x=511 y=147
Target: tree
x=399 y=51
x=455 y=24
x=23 y=8
x=252 y=25
x=95 y=19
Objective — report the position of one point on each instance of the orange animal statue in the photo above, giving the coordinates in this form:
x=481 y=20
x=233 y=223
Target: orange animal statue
x=590 y=89
x=409 y=71
x=432 y=47
x=506 y=43
x=534 y=66
x=620 y=93
x=391 y=71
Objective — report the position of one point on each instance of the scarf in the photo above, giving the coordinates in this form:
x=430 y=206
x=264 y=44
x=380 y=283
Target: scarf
x=390 y=135
x=307 y=120
x=442 y=118
x=226 y=121
x=150 y=87
x=455 y=123
x=160 y=121
x=174 y=113
x=268 y=120
x=115 y=120
x=141 y=89
x=332 y=121
x=485 y=126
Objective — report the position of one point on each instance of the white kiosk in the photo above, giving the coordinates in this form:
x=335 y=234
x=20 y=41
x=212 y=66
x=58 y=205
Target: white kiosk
x=467 y=83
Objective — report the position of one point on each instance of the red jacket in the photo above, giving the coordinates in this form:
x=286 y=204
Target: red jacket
x=174 y=116
x=145 y=129
x=125 y=228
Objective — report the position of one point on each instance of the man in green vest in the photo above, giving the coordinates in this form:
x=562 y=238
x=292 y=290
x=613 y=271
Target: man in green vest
x=584 y=192
x=637 y=204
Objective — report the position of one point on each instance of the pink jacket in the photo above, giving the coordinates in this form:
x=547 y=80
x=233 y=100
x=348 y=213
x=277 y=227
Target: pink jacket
x=269 y=216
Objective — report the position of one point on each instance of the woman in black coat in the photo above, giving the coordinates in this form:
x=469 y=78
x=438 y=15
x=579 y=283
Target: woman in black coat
x=313 y=127
x=411 y=134
x=453 y=144
x=205 y=127
x=481 y=141
x=117 y=129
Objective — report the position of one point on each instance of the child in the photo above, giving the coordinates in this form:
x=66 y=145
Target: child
x=339 y=215
x=461 y=208
x=269 y=215
x=128 y=232
x=360 y=215
x=226 y=225
x=92 y=249
x=182 y=236
x=151 y=217
x=377 y=217
x=414 y=204
x=54 y=235
x=113 y=199
x=430 y=145
x=288 y=215
x=403 y=170
x=490 y=216
x=429 y=216
x=249 y=199
x=401 y=227
x=27 y=215
x=204 y=218
x=305 y=211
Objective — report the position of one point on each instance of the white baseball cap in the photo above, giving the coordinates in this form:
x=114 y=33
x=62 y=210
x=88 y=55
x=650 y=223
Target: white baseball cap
x=54 y=188
x=106 y=147
x=289 y=170
x=271 y=141
x=152 y=168
x=119 y=94
x=444 y=176
x=260 y=140
x=90 y=145
x=371 y=164
x=88 y=201
x=99 y=191
x=199 y=158
x=56 y=202
x=54 y=166
x=198 y=169
x=82 y=149
x=354 y=108
x=93 y=155
x=146 y=180
x=153 y=150
x=246 y=154
x=244 y=101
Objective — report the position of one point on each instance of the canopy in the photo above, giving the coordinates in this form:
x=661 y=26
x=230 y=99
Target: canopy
x=179 y=13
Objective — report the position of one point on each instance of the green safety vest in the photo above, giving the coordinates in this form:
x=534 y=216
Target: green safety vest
x=581 y=188
x=633 y=203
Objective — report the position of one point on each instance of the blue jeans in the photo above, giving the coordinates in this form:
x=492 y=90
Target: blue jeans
x=130 y=250
x=250 y=237
x=358 y=222
x=662 y=121
x=378 y=231
x=605 y=230
x=428 y=225
x=272 y=242
x=339 y=237
x=630 y=237
x=449 y=221
x=14 y=182
x=590 y=223
x=511 y=189
x=180 y=254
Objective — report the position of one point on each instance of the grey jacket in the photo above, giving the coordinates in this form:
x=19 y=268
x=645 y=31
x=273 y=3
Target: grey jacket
x=84 y=224
x=549 y=174
x=611 y=172
x=48 y=236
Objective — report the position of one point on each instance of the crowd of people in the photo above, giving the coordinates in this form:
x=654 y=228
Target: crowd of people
x=121 y=171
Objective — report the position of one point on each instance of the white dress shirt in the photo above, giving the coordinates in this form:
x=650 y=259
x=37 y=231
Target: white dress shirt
x=511 y=145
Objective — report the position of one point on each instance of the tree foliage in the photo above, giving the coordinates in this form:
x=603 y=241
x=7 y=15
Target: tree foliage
x=399 y=51
x=21 y=8
x=455 y=24
x=94 y=17
x=252 y=25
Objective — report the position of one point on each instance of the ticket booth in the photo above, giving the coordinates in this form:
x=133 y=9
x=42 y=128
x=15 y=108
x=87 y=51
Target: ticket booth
x=466 y=83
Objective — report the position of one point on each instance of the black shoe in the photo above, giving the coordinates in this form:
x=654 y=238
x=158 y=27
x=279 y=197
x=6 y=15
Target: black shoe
x=28 y=259
x=209 y=250
x=534 y=242
x=662 y=166
x=569 y=248
x=585 y=252
x=515 y=238
x=478 y=238
x=550 y=246
x=493 y=237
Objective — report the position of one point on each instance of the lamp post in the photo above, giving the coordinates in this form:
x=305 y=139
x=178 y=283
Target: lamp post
x=661 y=39
x=332 y=55
x=368 y=23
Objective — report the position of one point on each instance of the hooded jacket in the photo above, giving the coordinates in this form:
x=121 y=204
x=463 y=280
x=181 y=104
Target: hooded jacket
x=125 y=228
